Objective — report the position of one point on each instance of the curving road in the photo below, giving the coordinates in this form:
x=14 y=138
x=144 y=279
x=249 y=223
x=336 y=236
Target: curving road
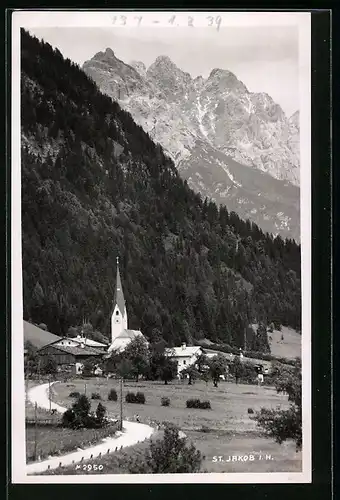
x=132 y=434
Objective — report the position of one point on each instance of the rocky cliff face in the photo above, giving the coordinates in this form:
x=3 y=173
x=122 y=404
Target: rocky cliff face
x=234 y=146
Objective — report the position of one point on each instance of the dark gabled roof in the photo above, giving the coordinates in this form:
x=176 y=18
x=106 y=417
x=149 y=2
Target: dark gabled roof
x=119 y=295
x=75 y=351
x=37 y=336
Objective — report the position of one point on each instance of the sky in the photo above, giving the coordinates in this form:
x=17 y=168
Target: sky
x=264 y=58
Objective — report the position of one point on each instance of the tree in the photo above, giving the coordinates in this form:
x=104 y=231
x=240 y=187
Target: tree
x=100 y=413
x=161 y=366
x=202 y=363
x=285 y=424
x=260 y=342
x=125 y=368
x=167 y=370
x=172 y=454
x=191 y=372
x=49 y=365
x=236 y=368
x=79 y=415
x=137 y=352
x=217 y=367
x=89 y=366
x=31 y=359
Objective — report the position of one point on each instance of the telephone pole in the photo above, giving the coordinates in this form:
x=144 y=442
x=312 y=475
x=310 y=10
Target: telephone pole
x=49 y=390
x=121 y=404
x=35 y=431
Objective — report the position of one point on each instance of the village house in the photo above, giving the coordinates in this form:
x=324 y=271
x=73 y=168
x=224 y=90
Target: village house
x=121 y=335
x=69 y=353
x=184 y=355
x=70 y=358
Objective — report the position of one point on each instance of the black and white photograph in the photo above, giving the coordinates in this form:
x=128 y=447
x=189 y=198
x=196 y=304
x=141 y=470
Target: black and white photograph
x=161 y=247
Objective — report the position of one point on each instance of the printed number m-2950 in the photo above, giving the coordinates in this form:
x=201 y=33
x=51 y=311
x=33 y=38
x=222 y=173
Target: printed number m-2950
x=90 y=467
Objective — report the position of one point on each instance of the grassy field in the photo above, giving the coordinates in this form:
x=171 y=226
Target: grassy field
x=53 y=440
x=289 y=347
x=225 y=430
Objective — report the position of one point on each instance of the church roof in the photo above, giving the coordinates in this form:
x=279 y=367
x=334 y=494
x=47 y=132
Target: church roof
x=129 y=334
x=119 y=295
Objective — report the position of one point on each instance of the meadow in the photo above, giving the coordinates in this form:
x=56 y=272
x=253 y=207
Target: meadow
x=52 y=439
x=225 y=430
x=285 y=343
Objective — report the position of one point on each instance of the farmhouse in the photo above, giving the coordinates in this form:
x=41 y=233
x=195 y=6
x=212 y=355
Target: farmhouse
x=184 y=355
x=121 y=336
x=70 y=358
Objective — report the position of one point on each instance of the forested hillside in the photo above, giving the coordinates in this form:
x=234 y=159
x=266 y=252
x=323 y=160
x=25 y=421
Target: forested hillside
x=95 y=186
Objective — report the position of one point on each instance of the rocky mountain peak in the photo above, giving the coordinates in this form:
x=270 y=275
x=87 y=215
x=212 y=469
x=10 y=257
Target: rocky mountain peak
x=109 y=52
x=227 y=79
x=104 y=56
x=170 y=79
x=140 y=67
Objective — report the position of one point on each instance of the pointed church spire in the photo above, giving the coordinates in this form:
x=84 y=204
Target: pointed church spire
x=119 y=296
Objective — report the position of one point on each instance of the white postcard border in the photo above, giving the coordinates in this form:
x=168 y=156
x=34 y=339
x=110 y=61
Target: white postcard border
x=102 y=19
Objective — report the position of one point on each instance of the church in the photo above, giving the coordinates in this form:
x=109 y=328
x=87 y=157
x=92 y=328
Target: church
x=121 y=336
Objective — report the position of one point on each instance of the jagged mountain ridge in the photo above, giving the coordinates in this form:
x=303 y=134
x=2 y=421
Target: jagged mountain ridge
x=197 y=120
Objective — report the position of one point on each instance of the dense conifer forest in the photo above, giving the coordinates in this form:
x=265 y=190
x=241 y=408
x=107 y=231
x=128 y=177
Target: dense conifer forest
x=94 y=187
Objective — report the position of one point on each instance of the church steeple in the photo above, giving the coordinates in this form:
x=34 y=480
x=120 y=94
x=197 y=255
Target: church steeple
x=119 y=315
x=119 y=295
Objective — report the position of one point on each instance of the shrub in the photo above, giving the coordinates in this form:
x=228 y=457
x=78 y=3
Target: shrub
x=205 y=405
x=68 y=418
x=165 y=401
x=74 y=394
x=250 y=410
x=130 y=397
x=170 y=455
x=96 y=395
x=196 y=403
x=135 y=398
x=80 y=416
x=112 y=395
x=140 y=398
x=193 y=403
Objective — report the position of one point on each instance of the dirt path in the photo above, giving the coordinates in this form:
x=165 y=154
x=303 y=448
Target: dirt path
x=132 y=434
